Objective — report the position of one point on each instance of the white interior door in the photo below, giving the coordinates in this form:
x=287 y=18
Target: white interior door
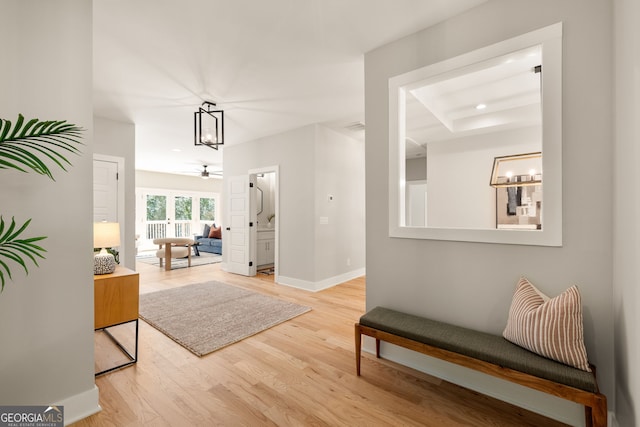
x=238 y=247
x=416 y=207
x=108 y=194
x=105 y=191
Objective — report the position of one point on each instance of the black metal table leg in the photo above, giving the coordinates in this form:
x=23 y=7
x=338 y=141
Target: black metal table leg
x=132 y=358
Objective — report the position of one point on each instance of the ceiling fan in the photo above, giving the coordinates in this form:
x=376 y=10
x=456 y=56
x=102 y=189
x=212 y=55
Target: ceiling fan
x=204 y=174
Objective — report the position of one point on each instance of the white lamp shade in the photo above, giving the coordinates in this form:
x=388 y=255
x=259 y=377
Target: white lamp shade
x=106 y=234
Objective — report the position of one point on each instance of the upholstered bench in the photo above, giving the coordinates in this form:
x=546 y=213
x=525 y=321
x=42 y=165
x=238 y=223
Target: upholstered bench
x=487 y=353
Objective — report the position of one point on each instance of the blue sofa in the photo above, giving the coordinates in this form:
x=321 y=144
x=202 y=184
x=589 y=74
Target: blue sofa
x=208 y=244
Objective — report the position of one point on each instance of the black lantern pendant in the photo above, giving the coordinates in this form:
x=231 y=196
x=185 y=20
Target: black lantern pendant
x=209 y=126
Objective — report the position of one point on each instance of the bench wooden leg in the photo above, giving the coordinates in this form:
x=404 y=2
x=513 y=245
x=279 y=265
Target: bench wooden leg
x=358 y=347
x=596 y=415
x=377 y=348
x=588 y=417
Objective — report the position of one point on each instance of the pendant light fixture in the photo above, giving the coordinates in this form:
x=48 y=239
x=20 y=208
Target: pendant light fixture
x=209 y=126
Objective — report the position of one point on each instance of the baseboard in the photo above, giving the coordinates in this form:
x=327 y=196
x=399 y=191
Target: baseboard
x=515 y=394
x=322 y=284
x=80 y=406
x=613 y=422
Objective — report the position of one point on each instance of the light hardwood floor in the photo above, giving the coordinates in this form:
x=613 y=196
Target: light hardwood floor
x=299 y=373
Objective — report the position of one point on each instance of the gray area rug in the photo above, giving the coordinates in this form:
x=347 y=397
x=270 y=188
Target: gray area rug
x=205 y=317
x=205 y=258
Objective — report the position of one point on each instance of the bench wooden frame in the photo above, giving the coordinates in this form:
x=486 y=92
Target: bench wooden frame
x=595 y=403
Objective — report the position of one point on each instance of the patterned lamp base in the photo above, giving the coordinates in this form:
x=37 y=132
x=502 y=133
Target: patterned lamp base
x=104 y=263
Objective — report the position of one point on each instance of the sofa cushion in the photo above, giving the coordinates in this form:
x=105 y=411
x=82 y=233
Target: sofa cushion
x=206 y=230
x=206 y=244
x=215 y=233
x=205 y=241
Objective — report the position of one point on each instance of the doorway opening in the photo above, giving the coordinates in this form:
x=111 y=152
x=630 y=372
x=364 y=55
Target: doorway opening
x=266 y=238
x=108 y=193
x=172 y=213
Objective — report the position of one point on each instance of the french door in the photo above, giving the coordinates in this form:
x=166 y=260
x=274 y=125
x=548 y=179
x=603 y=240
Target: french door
x=168 y=215
x=164 y=213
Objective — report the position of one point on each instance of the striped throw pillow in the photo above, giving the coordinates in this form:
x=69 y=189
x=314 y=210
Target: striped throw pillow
x=550 y=327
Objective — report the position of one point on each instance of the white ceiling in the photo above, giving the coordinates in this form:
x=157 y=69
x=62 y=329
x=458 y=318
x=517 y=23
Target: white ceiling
x=445 y=107
x=271 y=65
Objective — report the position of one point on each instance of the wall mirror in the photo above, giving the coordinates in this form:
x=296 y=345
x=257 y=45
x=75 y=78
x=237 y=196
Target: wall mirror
x=518 y=183
x=259 y=200
x=464 y=131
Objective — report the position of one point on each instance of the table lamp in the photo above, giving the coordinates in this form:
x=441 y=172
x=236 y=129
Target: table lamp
x=105 y=235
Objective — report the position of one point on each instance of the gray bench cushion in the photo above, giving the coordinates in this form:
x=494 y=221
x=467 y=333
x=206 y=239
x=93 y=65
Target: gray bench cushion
x=478 y=345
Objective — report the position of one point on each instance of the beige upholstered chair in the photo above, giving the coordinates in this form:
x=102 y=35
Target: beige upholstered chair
x=173 y=247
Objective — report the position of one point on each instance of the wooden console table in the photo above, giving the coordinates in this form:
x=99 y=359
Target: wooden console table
x=116 y=298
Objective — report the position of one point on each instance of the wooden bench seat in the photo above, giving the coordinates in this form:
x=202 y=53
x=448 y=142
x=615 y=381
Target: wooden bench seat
x=487 y=353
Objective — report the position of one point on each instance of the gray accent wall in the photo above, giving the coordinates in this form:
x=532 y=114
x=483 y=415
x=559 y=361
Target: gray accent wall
x=626 y=233
x=46 y=317
x=471 y=284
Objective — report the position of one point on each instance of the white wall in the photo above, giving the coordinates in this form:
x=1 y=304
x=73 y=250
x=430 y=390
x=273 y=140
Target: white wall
x=293 y=152
x=167 y=181
x=46 y=318
x=471 y=284
x=118 y=139
x=626 y=249
x=339 y=170
x=416 y=169
x=312 y=160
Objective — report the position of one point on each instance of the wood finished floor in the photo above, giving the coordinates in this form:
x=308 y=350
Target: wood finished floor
x=299 y=373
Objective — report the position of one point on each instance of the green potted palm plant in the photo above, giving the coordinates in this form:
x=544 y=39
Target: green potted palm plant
x=29 y=146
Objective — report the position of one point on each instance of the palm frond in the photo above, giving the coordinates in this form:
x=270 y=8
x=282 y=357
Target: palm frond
x=22 y=143
x=16 y=249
